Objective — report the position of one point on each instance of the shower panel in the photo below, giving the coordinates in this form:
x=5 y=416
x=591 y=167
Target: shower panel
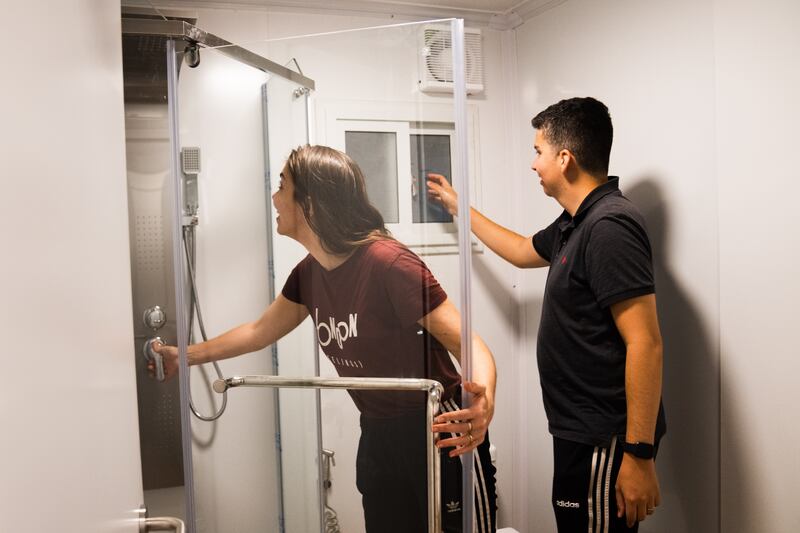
x=147 y=156
x=167 y=221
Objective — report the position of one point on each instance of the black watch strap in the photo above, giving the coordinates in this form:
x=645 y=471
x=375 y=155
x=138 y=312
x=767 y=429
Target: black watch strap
x=642 y=450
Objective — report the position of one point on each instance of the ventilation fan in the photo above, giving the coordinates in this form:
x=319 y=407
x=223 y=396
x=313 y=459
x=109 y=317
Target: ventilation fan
x=436 y=59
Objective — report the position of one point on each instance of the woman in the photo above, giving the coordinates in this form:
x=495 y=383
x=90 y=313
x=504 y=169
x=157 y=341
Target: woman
x=379 y=312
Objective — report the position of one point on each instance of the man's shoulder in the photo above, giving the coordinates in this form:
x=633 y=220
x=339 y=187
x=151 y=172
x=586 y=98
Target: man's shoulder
x=615 y=202
x=615 y=207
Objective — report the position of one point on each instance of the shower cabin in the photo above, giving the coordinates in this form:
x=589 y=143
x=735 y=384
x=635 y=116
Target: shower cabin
x=209 y=124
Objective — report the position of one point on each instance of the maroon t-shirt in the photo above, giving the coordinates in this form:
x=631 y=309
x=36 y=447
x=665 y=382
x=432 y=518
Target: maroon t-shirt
x=366 y=312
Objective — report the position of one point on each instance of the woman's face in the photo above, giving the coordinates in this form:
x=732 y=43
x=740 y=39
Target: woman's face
x=290 y=215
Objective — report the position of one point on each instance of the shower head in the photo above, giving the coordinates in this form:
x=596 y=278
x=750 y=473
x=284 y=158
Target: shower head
x=190 y=159
x=190 y=166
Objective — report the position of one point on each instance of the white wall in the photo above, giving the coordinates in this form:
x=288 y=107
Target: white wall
x=653 y=65
x=703 y=100
x=757 y=112
x=69 y=451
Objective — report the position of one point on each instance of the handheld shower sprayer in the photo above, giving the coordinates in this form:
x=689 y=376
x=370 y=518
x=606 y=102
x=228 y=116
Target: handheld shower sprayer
x=190 y=167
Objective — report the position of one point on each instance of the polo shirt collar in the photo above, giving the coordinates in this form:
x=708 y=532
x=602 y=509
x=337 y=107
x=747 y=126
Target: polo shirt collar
x=568 y=222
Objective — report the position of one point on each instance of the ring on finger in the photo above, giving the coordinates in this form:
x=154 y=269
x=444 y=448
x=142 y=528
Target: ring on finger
x=471 y=439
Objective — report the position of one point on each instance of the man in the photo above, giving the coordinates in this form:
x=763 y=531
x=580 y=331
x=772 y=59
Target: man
x=599 y=348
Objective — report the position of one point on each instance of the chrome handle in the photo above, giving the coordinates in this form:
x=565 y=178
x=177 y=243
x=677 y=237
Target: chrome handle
x=327 y=462
x=154 y=317
x=328 y=455
x=164 y=523
x=152 y=355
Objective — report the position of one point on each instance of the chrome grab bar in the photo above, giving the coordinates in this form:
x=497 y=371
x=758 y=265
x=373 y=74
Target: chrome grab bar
x=164 y=523
x=433 y=388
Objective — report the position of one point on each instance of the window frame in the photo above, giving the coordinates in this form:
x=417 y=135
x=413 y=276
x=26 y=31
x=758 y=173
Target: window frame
x=406 y=119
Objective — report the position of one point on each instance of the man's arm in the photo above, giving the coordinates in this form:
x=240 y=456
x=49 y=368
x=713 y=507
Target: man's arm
x=511 y=246
x=637 y=489
x=444 y=323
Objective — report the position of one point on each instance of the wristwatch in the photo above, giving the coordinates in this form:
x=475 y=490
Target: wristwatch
x=642 y=450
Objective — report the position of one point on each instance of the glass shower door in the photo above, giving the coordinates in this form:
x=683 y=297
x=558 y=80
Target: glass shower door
x=258 y=466
x=224 y=165
x=367 y=104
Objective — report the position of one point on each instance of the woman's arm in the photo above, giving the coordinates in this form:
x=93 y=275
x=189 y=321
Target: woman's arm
x=444 y=323
x=281 y=317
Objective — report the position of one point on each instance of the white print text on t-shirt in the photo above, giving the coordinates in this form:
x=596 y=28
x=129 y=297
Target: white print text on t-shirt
x=340 y=331
x=352 y=363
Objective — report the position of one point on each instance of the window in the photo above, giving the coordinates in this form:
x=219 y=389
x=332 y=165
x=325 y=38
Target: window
x=376 y=154
x=396 y=151
x=431 y=152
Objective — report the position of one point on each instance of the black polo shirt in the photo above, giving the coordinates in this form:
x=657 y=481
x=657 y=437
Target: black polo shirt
x=599 y=257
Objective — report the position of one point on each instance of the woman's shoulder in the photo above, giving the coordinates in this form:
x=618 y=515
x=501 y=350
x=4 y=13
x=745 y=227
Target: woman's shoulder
x=306 y=264
x=394 y=256
x=386 y=250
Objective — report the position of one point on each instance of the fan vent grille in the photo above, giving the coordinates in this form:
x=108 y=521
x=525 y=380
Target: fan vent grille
x=437 y=59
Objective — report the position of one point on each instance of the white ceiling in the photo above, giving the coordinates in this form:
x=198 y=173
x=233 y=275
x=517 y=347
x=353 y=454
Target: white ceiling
x=502 y=14
x=486 y=6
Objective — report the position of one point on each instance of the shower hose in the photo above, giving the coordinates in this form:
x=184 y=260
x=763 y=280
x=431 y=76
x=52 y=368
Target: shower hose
x=189 y=248
x=331 y=521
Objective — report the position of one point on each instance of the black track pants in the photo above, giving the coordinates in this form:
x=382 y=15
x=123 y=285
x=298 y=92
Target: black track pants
x=391 y=474
x=583 y=488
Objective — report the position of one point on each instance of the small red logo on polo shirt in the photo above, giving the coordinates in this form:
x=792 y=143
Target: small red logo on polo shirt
x=564 y=260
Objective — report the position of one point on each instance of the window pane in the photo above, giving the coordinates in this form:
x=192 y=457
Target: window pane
x=376 y=154
x=429 y=153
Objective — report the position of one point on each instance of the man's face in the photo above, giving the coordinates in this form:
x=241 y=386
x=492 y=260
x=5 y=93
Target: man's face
x=546 y=165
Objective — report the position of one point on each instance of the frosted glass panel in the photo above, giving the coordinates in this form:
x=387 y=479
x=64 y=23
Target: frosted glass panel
x=376 y=154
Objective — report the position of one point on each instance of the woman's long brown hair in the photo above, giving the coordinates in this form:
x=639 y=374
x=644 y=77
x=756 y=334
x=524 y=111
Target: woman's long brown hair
x=329 y=187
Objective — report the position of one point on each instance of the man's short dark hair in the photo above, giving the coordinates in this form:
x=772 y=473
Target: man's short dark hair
x=582 y=126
